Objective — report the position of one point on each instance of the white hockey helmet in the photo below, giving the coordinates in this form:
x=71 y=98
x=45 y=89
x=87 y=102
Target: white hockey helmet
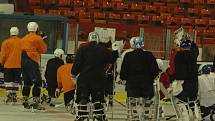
x=177 y=43
x=14 y=31
x=118 y=45
x=180 y=34
x=204 y=69
x=160 y=64
x=32 y=26
x=132 y=42
x=58 y=53
x=138 y=42
x=93 y=36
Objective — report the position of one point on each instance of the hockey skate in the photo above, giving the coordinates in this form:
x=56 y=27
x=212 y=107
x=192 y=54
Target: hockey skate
x=8 y=98
x=71 y=108
x=25 y=103
x=109 y=103
x=81 y=119
x=36 y=105
x=99 y=118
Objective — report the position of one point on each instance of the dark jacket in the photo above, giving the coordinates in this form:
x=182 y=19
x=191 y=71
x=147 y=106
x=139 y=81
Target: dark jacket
x=185 y=69
x=195 y=49
x=139 y=69
x=89 y=63
x=51 y=71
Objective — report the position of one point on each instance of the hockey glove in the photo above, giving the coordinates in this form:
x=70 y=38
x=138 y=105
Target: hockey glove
x=57 y=92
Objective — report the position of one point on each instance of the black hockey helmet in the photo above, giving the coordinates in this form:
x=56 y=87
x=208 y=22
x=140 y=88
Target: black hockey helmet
x=70 y=58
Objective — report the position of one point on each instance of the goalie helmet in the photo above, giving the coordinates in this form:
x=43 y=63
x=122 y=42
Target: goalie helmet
x=93 y=36
x=132 y=42
x=137 y=42
x=180 y=34
x=186 y=44
x=205 y=69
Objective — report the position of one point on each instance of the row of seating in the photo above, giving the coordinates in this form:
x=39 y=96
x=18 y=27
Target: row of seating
x=69 y=2
x=152 y=12
x=120 y=4
x=127 y=16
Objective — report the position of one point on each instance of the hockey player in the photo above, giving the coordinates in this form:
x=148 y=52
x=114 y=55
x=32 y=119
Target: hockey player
x=51 y=72
x=207 y=91
x=164 y=80
x=185 y=86
x=109 y=73
x=89 y=65
x=32 y=46
x=139 y=69
x=120 y=59
x=180 y=35
x=11 y=59
x=65 y=81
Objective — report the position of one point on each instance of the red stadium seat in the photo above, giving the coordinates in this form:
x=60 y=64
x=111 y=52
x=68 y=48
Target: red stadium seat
x=78 y=3
x=49 y=2
x=199 y=4
x=186 y=1
x=122 y=6
x=210 y=1
x=39 y=11
x=178 y=11
x=108 y=6
x=129 y=18
x=206 y=13
x=211 y=24
x=192 y=12
x=142 y=19
x=69 y=14
x=158 y=3
x=157 y=20
x=200 y=24
x=34 y=2
x=99 y=17
x=187 y=22
x=164 y=9
x=113 y=18
x=84 y=17
x=173 y=21
x=172 y=3
x=54 y=12
x=64 y=3
x=150 y=10
x=135 y=7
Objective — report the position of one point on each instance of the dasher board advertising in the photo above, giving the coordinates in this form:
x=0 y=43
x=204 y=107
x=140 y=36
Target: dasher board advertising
x=106 y=33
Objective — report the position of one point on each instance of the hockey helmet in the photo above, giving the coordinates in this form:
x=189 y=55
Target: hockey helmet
x=180 y=34
x=139 y=42
x=205 y=69
x=69 y=58
x=32 y=26
x=14 y=31
x=132 y=42
x=43 y=35
x=93 y=36
x=186 y=44
x=58 y=53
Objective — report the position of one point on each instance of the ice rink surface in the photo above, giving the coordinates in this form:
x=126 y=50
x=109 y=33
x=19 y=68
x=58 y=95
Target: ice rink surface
x=16 y=112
